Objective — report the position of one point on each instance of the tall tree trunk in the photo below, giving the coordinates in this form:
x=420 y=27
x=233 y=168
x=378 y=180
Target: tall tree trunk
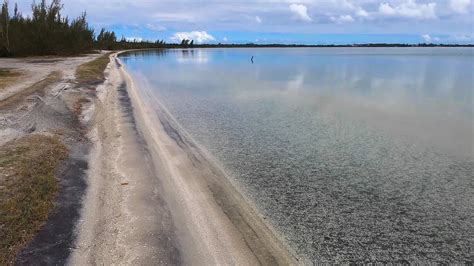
x=7 y=34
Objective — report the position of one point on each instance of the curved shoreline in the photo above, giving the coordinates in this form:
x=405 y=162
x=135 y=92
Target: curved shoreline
x=229 y=210
x=154 y=197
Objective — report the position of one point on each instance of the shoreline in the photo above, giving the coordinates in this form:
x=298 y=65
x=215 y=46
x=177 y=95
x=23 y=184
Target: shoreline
x=180 y=136
x=200 y=215
x=153 y=194
x=219 y=174
x=324 y=214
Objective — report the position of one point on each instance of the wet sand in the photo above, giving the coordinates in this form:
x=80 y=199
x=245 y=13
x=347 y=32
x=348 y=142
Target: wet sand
x=154 y=197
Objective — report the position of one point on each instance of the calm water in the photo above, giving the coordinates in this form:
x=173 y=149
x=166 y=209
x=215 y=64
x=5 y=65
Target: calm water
x=353 y=154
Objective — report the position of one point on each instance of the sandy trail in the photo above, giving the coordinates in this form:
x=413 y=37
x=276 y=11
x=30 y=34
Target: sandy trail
x=48 y=108
x=18 y=120
x=36 y=69
x=154 y=197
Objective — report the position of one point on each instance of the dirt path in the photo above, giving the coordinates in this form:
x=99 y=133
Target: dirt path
x=42 y=85
x=37 y=69
x=43 y=101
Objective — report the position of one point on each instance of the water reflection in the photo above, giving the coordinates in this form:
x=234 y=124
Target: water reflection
x=355 y=154
x=407 y=95
x=192 y=56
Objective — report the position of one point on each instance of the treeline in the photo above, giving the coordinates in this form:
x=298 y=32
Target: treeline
x=46 y=32
x=279 y=45
x=107 y=40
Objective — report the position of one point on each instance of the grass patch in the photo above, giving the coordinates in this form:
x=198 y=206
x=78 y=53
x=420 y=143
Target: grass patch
x=27 y=189
x=93 y=72
x=8 y=77
x=14 y=99
x=77 y=110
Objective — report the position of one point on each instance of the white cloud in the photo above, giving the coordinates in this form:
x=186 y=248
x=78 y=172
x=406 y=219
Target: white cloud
x=134 y=39
x=386 y=9
x=301 y=11
x=361 y=13
x=173 y=16
x=429 y=39
x=342 y=4
x=463 y=37
x=342 y=19
x=155 y=27
x=409 y=9
x=258 y=19
x=197 y=36
x=225 y=39
x=460 y=6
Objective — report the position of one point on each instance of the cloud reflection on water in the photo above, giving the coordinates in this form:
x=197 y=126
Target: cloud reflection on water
x=337 y=147
x=192 y=56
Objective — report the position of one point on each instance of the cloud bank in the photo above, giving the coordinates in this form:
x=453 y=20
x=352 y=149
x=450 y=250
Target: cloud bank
x=245 y=21
x=343 y=19
x=460 y=6
x=197 y=36
x=301 y=11
x=428 y=39
x=409 y=9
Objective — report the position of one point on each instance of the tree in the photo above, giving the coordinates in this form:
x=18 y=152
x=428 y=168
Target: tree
x=5 y=27
x=185 y=42
x=46 y=32
x=107 y=39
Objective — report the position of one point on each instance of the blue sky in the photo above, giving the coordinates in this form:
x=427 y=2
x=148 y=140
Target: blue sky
x=280 y=21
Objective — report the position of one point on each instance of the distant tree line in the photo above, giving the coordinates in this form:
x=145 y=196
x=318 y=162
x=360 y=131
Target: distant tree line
x=269 y=45
x=46 y=32
x=186 y=42
x=107 y=40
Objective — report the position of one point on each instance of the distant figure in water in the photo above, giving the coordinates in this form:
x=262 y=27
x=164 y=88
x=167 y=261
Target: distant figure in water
x=251 y=59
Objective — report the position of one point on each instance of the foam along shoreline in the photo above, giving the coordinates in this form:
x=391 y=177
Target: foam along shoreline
x=177 y=206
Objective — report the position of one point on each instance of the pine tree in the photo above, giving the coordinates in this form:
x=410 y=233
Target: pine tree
x=5 y=27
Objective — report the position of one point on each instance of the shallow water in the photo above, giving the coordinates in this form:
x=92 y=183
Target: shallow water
x=352 y=154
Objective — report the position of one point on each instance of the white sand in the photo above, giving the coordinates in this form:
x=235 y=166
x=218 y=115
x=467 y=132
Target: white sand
x=154 y=198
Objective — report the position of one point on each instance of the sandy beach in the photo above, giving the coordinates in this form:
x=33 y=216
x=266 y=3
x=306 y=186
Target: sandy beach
x=135 y=189
x=153 y=197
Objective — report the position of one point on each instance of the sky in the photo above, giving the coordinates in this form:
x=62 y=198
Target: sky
x=280 y=21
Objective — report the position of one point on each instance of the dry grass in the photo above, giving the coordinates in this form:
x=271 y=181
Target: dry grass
x=8 y=77
x=78 y=106
x=27 y=189
x=14 y=99
x=92 y=72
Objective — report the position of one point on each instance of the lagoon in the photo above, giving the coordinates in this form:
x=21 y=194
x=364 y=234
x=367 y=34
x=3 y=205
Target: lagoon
x=351 y=154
